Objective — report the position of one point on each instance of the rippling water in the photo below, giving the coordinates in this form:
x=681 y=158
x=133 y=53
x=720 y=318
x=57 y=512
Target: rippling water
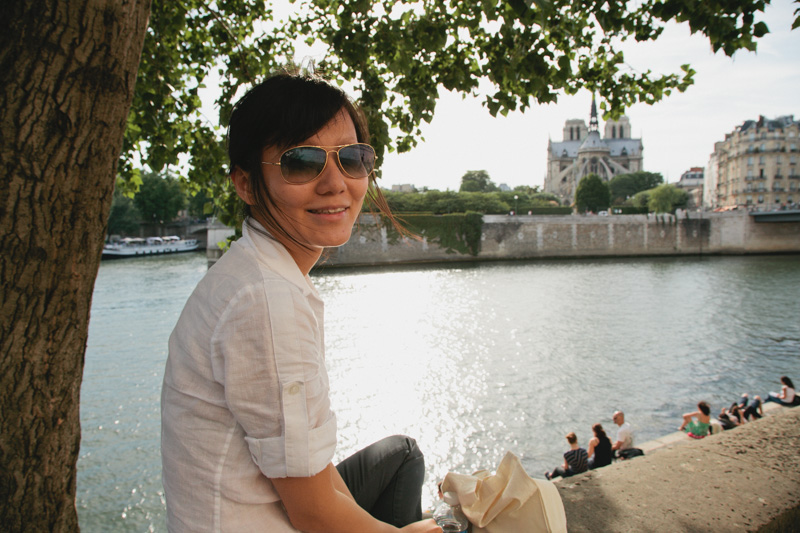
x=471 y=360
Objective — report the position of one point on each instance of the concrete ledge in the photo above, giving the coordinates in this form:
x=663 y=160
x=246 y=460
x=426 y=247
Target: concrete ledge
x=744 y=479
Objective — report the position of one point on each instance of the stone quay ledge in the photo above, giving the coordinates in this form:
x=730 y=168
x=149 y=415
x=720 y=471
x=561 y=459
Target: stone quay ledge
x=743 y=479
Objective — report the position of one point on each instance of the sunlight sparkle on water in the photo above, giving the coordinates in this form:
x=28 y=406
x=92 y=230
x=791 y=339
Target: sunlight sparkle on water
x=399 y=365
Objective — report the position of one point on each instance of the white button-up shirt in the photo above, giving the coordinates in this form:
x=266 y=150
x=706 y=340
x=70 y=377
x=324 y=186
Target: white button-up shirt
x=245 y=393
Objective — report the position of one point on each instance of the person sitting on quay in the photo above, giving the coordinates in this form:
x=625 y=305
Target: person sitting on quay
x=787 y=397
x=754 y=411
x=697 y=423
x=623 y=444
x=576 y=460
x=599 y=451
x=726 y=420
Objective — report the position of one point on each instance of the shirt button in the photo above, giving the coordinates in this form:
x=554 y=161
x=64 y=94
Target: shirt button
x=294 y=389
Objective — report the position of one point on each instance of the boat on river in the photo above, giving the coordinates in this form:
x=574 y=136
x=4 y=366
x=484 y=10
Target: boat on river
x=136 y=246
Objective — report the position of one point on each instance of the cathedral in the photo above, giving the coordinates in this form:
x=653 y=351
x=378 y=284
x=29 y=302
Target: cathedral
x=584 y=152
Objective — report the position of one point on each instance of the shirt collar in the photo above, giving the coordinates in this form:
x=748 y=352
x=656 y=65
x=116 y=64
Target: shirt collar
x=275 y=254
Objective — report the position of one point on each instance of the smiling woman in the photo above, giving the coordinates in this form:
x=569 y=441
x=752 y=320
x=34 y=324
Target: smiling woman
x=248 y=434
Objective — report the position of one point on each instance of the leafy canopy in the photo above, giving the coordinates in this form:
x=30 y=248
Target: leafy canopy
x=396 y=56
x=592 y=194
x=667 y=198
x=477 y=181
x=624 y=186
x=159 y=199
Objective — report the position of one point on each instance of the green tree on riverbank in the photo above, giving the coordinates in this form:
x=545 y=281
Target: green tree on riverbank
x=592 y=194
x=667 y=198
x=477 y=181
x=625 y=186
x=160 y=198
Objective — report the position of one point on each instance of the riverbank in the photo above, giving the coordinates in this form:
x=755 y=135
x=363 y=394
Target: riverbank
x=744 y=479
x=571 y=236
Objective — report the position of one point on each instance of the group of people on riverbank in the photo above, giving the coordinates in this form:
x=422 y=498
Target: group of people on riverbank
x=601 y=451
x=697 y=424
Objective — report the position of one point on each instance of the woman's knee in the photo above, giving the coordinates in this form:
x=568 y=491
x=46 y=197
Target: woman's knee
x=404 y=445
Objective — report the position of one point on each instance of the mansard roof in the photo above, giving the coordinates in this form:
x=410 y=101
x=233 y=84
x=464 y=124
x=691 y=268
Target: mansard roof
x=771 y=124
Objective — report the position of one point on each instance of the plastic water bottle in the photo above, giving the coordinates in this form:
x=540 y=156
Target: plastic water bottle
x=449 y=516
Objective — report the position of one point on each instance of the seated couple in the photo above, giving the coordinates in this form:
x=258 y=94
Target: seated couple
x=577 y=460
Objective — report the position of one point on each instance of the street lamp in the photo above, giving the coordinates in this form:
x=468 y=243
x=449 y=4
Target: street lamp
x=515 y=204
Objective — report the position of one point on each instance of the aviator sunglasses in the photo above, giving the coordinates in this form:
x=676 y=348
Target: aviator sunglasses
x=303 y=164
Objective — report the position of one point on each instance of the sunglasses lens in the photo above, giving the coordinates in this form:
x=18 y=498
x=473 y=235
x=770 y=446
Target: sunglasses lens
x=302 y=164
x=357 y=160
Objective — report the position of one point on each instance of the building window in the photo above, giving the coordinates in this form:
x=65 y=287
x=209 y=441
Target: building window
x=749 y=199
x=763 y=147
x=792 y=147
x=778 y=160
x=761 y=198
x=750 y=161
x=761 y=160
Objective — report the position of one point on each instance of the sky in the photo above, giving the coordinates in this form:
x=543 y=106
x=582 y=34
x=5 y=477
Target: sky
x=678 y=133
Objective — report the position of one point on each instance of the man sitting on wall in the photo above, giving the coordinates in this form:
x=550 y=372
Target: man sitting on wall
x=623 y=445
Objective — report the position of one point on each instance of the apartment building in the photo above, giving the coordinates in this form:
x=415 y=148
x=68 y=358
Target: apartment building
x=756 y=166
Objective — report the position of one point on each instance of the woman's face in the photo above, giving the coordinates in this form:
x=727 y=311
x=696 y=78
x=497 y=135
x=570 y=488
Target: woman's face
x=322 y=212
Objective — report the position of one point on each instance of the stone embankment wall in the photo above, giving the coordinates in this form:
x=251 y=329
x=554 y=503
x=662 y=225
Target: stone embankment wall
x=530 y=237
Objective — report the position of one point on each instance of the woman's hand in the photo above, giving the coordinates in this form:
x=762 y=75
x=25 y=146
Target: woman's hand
x=423 y=526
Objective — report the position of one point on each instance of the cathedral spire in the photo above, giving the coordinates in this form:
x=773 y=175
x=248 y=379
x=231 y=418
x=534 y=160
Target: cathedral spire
x=593 y=124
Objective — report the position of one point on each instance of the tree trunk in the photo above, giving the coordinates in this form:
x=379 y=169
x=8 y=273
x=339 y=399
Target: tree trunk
x=67 y=74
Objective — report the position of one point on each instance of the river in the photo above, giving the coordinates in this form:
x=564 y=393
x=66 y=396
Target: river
x=470 y=359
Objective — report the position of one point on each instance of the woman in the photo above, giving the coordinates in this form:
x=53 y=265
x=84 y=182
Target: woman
x=575 y=460
x=787 y=396
x=697 y=428
x=248 y=434
x=737 y=415
x=599 y=450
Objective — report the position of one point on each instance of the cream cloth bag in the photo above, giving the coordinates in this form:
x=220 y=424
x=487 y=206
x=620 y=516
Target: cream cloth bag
x=509 y=501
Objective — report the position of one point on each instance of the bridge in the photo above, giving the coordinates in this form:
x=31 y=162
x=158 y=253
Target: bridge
x=792 y=215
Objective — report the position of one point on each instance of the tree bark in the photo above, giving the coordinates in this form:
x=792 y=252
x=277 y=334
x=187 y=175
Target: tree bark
x=67 y=75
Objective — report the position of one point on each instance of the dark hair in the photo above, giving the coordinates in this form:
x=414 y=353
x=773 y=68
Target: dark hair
x=571 y=437
x=599 y=432
x=283 y=111
x=786 y=381
x=704 y=408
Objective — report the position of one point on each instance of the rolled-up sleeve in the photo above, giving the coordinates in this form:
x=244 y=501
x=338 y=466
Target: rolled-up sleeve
x=269 y=356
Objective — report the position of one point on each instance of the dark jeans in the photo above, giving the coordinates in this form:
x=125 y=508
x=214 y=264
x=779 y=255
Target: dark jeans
x=559 y=471
x=385 y=479
x=773 y=397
